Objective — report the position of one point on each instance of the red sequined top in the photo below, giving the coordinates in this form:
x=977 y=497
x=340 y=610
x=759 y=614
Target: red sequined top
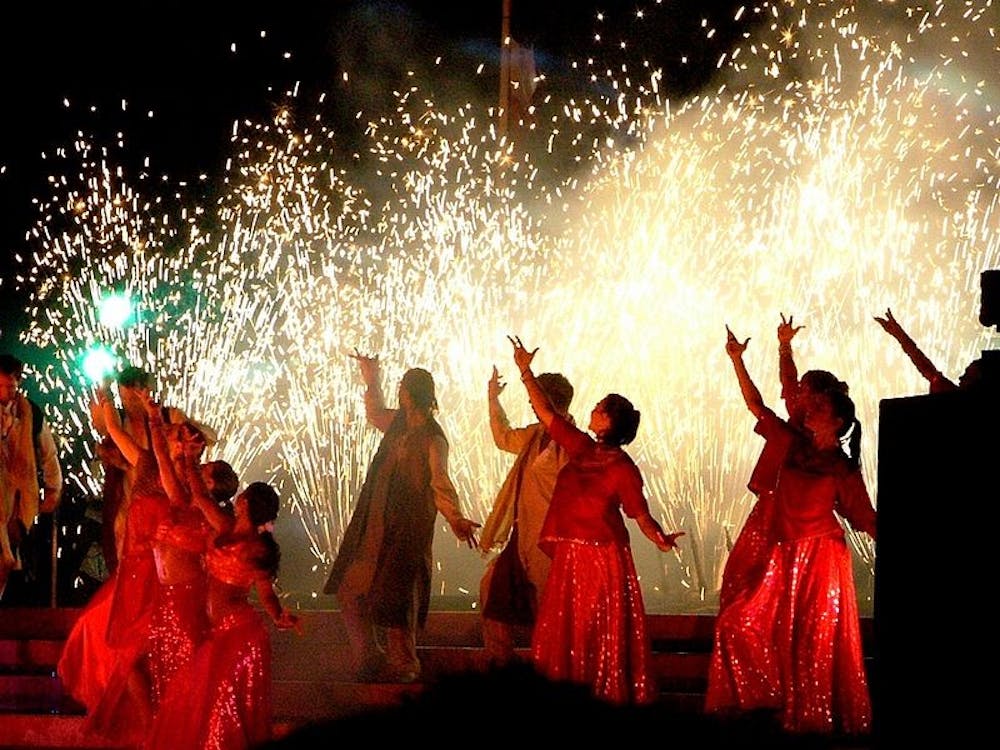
x=594 y=487
x=236 y=563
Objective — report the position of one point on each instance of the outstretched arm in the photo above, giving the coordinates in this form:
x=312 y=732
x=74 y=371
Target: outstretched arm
x=655 y=533
x=113 y=423
x=445 y=495
x=788 y=373
x=499 y=424
x=537 y=395
x=96 y=409
x=176 y=490
x=268 y=597
x=751 y=394
x=202 y=499
x=938 y=382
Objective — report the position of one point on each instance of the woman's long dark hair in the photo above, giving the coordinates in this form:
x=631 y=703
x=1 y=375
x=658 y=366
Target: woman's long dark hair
x=850 y=431
x=262 y=507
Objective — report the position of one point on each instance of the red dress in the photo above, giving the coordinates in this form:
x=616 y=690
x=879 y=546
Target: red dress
x=788 y=633
x=179 y=620
x=104 y=649
x=591 y=626
x=221 y=700
x=87 y=661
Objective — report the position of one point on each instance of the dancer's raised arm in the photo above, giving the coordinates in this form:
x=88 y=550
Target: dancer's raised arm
x=751 y=394
x=937 y=381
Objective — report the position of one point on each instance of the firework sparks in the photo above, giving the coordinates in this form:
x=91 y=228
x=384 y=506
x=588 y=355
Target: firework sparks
x=845 y=162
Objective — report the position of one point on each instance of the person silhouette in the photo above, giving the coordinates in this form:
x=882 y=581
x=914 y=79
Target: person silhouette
x=790 y=641
x=984 y=371
x=512 y=584
x=381 y=575
x=591 y=626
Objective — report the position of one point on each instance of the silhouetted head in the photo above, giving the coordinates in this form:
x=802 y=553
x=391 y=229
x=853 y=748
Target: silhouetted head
x=261 y=501
x=614 y=420
x=558 y=389
x=221 y=480
x=811 y=384
x=833 y=411
x=419 y=385
x=989 y=298
x=821 y=381
x=11 y=372
x=11 y=365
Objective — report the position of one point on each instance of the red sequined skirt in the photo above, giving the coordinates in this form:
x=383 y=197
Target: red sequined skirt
x=591 y=626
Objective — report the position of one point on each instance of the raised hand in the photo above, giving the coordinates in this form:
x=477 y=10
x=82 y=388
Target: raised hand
x=149 y=404
x=496 y=385
x=101 y=394
x=890 y=325
x=368 y=365
x=733 y=346
x=522 y=357
x=787 y=330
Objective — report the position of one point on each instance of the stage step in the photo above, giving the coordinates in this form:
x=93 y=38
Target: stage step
x=312 y=677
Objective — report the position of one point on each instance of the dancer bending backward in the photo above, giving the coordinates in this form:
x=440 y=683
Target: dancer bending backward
x=179 y=622
x=792 y=641
x=591 y=626
x=382 y=573
x=512 y=585
x=222 y=698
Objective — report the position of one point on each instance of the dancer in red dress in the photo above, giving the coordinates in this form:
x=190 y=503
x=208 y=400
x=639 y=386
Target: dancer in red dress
x=101 y=664
x=222 y=699
x=591 y=626
x=749 y=555
x=144 y=622
x=790 y=638
x=179 y=621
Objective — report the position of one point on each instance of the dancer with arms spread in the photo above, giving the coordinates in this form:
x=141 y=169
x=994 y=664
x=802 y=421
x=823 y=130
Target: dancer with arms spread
x=591 y=627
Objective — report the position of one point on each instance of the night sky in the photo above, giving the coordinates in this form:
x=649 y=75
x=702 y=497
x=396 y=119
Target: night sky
x=176 y=61
x=171 y=79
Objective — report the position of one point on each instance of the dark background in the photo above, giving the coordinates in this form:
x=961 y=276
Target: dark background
x=66 y=69
x=168 y=81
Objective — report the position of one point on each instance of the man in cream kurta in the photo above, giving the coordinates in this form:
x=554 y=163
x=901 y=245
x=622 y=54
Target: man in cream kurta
x=511 y=587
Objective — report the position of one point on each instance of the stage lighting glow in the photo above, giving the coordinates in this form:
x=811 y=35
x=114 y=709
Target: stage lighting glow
x=115 y=310
x=99 y=362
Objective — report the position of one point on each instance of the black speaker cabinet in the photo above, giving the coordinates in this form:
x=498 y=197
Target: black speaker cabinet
x=936 y=572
